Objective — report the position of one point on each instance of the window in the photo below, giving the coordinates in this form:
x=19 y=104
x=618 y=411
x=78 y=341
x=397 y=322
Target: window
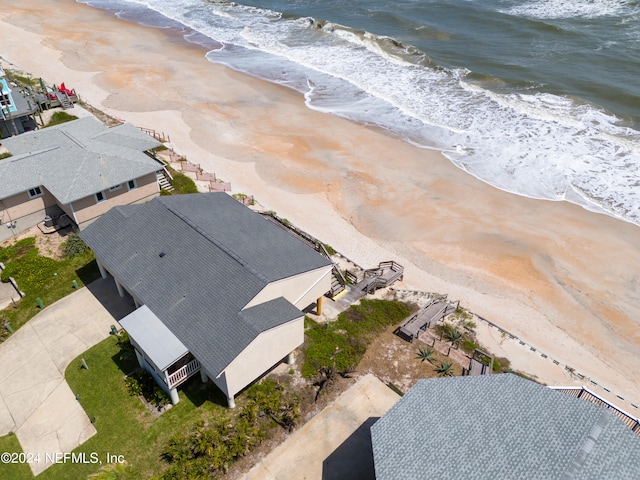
x=115 y=187
x=5 y=100
x=35 y=192
x=100 y=197
x=132 y=184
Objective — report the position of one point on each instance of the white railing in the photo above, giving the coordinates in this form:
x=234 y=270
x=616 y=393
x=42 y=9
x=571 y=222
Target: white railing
x=179 y=376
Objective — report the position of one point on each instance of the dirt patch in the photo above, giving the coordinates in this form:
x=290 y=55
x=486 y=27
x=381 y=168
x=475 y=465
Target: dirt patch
x=48 y=244
x=393 y=360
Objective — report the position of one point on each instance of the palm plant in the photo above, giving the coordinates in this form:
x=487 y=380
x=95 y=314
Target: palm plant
x=445 y=369
x=425 y=353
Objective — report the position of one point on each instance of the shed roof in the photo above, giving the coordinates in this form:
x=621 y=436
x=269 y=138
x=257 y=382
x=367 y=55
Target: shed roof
x=189 y=259
x=157 y=341
x=500 y=426
x=76 y=159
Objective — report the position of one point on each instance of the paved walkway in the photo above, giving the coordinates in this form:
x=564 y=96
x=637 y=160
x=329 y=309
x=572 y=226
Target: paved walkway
x=35 y=401
x=336 y=443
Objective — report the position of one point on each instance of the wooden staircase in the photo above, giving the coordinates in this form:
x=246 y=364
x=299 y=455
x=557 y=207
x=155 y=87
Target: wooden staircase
x=164 y=180
x=64 y=100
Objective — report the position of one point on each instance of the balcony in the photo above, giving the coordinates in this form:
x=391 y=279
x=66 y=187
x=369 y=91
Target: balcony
x=183 y=373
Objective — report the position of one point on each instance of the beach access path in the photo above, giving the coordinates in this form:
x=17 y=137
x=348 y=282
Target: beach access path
x=36 y=402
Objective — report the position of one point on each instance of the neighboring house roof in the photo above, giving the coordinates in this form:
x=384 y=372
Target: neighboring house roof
x=20 y=106
x=500 y=426
x=76 y=159
x=196 y=261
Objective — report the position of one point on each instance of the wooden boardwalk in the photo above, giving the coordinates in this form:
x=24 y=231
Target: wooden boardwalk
x=418 y=323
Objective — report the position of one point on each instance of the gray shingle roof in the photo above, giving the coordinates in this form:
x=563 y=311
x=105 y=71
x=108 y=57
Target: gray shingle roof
x=76 y=159
x=208 y=272
x=500 y=426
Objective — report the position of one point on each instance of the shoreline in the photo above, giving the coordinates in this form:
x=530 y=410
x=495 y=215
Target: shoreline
x=554 y=273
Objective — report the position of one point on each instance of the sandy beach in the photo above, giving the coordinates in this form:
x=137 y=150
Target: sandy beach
x=565 y=280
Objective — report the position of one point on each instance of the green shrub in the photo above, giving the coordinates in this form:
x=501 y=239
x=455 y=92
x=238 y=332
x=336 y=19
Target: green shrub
x=142 y=383
x=207 y=449
x=330 y=250
x=183 y=184
x=74 y=246
x=469 y=346
x=5 y=155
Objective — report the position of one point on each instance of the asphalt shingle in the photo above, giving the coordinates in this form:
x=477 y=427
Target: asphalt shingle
x=76 y=159
x=186 y=259
x=500 y=426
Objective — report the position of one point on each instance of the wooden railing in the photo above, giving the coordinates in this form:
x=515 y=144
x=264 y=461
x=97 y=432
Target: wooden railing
x=585 y=394
x=179 y=376
x=382 y=276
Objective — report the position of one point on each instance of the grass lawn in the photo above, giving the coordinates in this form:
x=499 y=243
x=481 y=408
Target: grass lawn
x=14 y=471
x=41 y=277
x=60 y=117
x=125 y=427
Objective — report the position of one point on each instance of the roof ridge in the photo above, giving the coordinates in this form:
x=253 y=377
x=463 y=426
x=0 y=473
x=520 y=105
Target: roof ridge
x=204 y=234
x=22 y=156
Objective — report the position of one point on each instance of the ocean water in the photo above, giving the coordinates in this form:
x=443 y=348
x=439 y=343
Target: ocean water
x=539 y=98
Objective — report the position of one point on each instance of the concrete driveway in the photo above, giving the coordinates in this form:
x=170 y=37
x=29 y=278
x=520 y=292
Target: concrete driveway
x=336 y=443
x=35 y=401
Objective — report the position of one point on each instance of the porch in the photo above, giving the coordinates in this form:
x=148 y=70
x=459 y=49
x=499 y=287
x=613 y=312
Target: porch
x=159 y=352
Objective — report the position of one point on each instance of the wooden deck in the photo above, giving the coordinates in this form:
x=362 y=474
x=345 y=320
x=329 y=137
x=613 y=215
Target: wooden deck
x=383 y=276
x=416 y=324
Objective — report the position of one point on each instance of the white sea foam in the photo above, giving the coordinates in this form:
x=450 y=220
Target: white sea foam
x=555 y=9
x=535 y=144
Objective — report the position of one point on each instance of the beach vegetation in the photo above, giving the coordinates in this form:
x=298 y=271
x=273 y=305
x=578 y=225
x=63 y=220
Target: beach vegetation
x=5 y=155
x=445 y=369
x=183 y=184
x=42 y=277
x=425 y=354
x=340 y=345
x=24 y=80
x=60 y=117
x=330 y=250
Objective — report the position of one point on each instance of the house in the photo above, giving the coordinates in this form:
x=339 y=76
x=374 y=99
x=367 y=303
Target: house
x=220 y=289
x=17 y=109
x=500 y=426
x=77 y=170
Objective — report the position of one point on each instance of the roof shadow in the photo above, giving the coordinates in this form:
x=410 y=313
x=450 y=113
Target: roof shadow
x=353 y=459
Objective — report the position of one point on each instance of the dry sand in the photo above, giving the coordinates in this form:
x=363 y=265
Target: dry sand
x=565 y=280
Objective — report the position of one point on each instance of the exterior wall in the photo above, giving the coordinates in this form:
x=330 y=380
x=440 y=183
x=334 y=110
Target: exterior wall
x=261 y=355
x=86 y=209
x=20 y=205
x=25 y=212
x=301 y=290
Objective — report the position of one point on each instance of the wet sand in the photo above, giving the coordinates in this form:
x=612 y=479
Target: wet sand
x=565 y=280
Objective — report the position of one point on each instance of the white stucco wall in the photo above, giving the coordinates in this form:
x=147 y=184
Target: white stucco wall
x=301 y=290
x=261 y=355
